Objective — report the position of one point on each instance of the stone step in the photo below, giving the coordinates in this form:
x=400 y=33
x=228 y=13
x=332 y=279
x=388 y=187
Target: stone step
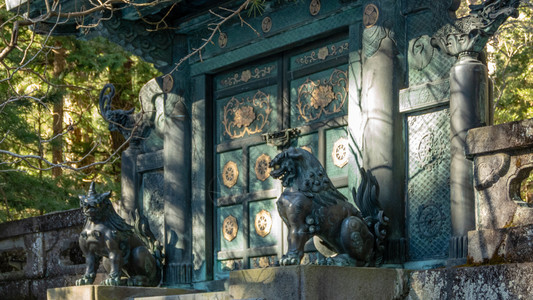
x=224 y=295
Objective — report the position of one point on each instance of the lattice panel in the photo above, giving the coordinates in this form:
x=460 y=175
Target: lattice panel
x=428 y=206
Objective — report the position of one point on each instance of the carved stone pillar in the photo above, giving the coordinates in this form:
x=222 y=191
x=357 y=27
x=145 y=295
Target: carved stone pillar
x=381 y=124
x=465 y=38
x=468 y=109
x=177 y=169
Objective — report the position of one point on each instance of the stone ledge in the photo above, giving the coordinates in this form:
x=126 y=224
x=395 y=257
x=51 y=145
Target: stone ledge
x=99 y=292
x=507 y=281
x=500 y=138
x=502 y=245
x=318 y=282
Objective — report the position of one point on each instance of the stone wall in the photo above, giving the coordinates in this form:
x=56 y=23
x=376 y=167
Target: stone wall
x=40 y=253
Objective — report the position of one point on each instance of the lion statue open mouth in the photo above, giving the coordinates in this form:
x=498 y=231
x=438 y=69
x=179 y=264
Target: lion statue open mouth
x=123 y=249
x=311 y=206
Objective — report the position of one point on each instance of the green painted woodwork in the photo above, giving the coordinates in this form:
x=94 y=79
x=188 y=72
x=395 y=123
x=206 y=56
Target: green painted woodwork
x=319 y=55
x=238 y=242
x=246 y=75
x=247 y=114
x=222 y=160
x=308 y=140
x=319 y=96
x=332 y=136
x=255 y=184
x=274 y=236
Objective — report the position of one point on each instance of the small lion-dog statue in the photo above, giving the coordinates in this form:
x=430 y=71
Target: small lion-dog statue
x=311 y=206
x=123 y=249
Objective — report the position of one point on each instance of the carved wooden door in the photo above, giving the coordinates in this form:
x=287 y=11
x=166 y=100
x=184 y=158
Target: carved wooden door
x=304 y=91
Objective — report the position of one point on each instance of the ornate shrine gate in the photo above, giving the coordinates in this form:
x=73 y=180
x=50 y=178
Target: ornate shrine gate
x=298 y=98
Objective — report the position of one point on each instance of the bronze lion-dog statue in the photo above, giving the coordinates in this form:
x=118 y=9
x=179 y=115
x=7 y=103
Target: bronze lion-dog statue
x=122 y=248
x=311 y=206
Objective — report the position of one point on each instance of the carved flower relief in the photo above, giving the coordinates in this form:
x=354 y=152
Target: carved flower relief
x=230 y=227
x=244 y=116
x=262 y=169
x=323 y=53
x=340 y=152
x=263 y=223
x=322 y=96
x=230 y=174
x=246 y=75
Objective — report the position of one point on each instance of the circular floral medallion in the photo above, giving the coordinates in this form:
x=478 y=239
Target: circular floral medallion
x=314 y=7
x=266 y=25
x=430 y=220
x=230 y=227
x=370 y=15
x=222 y=40
x=262 y=169
x=263 y=223
x=230 y=174
x=340 y=152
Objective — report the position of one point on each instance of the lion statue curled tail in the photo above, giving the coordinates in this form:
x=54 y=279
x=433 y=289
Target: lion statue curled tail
x=311 y=206
x=123 y=249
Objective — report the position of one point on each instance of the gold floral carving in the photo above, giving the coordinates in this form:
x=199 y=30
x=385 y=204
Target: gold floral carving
x=322 y=97
x=247 y=75
x=262 y=169
x=230 y=227
x=322 y=53
x=340 y=152
x=314 y=7
x=263 y=223
x=246 y=116
x=370 y=15
x=230 y=174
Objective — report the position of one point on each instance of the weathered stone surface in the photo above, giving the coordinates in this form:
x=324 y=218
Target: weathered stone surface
x=197 y=296
x=318 y=282
x=97 y=292
x=508 y=136
x=503 y=158
x=508 y=281
x=509 y=245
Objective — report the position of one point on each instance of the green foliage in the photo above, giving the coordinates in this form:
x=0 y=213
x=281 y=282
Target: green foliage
x=70 y=73
x=511 y=68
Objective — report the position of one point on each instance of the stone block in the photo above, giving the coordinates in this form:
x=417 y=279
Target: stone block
x=196 y=296
x=318 y=282
x=506 y=281
x=503 y=159
x=98 y=292
x=509 y=245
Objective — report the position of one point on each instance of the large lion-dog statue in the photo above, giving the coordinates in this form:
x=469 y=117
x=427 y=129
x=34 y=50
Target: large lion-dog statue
x=130 y=255
x=311 y=206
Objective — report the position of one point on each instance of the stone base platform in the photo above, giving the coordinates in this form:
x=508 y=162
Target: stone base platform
x=506 y=281
x=502 y=245
x=318 y=282
x=99 y=292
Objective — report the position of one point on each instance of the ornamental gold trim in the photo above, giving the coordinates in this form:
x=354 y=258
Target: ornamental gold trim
x=340 y=152
x=230 y=227
x=246 y=116
x=262 y=169
x=322 y=97
x=308 y=149
x=230 y=174
x=263 y=223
